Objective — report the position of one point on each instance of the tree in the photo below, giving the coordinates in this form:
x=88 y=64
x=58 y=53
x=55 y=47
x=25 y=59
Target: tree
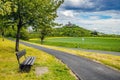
x=30 y=12
x=5 y=11
x=45 y=17
x=23 y=16
x=95 y=33
x=34 y=12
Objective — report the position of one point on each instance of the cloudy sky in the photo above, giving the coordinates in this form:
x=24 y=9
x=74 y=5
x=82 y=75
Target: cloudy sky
x=99 y=15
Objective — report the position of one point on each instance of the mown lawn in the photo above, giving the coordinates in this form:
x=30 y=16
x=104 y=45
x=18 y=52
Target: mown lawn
x=9 y=66
x=97 y=43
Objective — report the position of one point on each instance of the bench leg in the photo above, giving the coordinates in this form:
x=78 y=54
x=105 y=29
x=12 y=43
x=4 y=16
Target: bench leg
x=25 y=68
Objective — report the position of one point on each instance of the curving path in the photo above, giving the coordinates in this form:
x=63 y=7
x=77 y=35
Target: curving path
x=85 y=69
x=98 y=51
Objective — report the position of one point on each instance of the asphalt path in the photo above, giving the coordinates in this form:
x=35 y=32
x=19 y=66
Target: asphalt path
x=83 y=68
x=98 y=51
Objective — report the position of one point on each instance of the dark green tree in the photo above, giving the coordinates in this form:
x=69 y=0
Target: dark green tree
x=5 y=11
x=37 y=13
x=45 y=17
x=94 y=33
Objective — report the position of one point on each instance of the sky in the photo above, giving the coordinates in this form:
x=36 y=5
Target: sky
x=100 y=15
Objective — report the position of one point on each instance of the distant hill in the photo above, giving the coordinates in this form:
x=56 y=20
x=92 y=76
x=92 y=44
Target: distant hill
x=71 y=30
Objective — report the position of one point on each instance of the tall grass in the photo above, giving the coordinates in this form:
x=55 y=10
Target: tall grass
x=9 y=69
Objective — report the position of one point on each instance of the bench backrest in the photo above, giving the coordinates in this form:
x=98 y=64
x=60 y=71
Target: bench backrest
x=20 y=54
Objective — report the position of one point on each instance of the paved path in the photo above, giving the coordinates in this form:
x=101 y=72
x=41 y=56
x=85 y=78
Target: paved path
x=85 y=69
x=98 y=51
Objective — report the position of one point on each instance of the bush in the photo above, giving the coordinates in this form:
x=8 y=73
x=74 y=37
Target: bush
x=10 y=32
x=24 y=34
x=34 y=35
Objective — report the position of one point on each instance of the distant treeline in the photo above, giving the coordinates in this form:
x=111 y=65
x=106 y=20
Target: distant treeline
x=72 y=30
x=68 y=30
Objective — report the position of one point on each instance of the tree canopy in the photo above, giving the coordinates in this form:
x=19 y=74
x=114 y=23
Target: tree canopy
x=6 y=8
x=39 y=14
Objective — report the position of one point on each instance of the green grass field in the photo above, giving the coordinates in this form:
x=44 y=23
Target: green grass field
x=9 y=68
x=97 y=43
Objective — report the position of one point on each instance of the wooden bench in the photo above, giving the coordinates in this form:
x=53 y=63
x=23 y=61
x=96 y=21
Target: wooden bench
x=27 y=62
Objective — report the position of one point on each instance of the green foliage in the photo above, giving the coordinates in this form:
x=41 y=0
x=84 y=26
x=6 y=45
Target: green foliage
x=10 y=32
x=6 y=7
x=24 y=34
x=24 y=13
x=70 y=31
x=94 y=33
x=34 y=35
x=109 y=35
x=45 y=15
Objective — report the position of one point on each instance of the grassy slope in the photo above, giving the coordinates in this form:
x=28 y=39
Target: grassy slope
x=98 y=43
x=9 y=66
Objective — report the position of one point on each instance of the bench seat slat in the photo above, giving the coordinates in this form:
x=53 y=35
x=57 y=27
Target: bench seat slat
x=25 y=62
x=32 y=61
x=29 y=61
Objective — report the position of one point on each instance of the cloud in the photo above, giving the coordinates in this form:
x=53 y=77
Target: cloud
x=109 y=4
x=78 y=4
x=91 y=5
x=89 y=15
x=100 y=15
x=94 y=17
x=68 y=13
x=102 y=25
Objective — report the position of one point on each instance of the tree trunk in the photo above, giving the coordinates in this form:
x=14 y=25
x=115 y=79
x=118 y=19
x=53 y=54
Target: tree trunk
x=42 y=38
x=18 y=34
x=17 y=39
x=18 y=27
x=3 y=36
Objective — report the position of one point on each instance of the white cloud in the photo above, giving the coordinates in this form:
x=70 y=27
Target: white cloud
x=68 y=13
x=108 y=23
x=103 y=25
x=92 y=20
x=79 y=3
x=112 y=13
x=94 y=17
